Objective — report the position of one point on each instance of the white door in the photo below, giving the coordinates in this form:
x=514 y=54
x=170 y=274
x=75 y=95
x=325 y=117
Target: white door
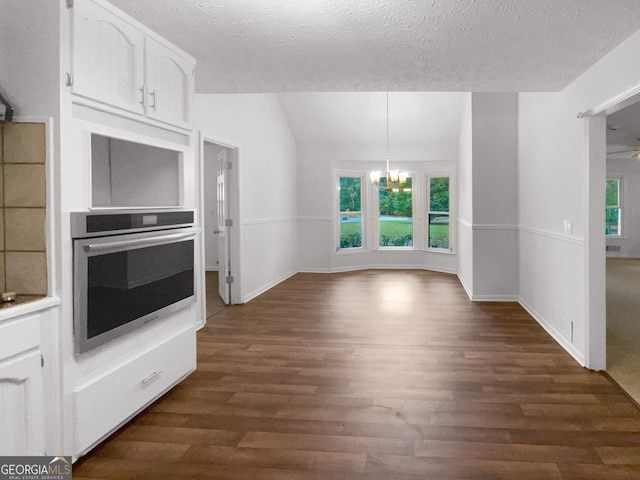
x=224 y=287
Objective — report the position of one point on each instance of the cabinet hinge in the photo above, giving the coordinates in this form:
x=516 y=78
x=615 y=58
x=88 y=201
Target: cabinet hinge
x=41 y=361
x=69 y=79
x=229 y=279
x=69 y=3
x=228 y=222
x=229 y=165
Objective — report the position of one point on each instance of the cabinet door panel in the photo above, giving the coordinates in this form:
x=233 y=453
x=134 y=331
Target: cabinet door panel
x=107 y=57
x=169 y=81
x=21 y=407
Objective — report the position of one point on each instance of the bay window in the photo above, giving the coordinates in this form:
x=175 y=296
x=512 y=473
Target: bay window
x=438 y=213
x=350 y=212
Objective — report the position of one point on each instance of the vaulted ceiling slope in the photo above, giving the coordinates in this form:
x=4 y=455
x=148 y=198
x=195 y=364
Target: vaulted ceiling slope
x=359 y=118
x=398 y=45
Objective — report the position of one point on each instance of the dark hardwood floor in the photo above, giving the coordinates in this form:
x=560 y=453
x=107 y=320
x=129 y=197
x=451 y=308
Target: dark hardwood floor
x=376 y=375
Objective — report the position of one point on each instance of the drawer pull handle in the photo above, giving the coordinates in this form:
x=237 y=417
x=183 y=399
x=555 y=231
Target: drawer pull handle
x=151 y=377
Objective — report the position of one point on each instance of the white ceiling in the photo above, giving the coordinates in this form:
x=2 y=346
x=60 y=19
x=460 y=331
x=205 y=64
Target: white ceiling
x=395 y=45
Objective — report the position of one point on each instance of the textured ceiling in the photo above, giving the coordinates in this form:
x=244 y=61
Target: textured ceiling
x=394 y=45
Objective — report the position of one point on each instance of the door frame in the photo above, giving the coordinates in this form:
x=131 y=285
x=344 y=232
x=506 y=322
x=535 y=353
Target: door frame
x=232 y=185
x=595 y=242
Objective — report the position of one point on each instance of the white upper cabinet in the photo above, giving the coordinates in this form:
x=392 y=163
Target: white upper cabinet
x=119 y=63
x=108 y=57
x=169 y=82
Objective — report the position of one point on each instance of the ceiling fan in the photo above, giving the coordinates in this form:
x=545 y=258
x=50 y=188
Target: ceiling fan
x=624 y=151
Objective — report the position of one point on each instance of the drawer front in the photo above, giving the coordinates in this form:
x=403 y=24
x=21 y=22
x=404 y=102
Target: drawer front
x=19 y=335
x=104 y=403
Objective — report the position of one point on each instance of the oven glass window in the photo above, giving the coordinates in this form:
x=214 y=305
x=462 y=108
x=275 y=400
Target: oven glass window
x=127 y=285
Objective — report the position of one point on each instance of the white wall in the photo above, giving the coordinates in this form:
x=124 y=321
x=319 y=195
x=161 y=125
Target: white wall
x=256 y=125
x=465 y=198
x=551 y=188
x=29 y=54
x=488 y=236
x=628 y=170
x=495 y=213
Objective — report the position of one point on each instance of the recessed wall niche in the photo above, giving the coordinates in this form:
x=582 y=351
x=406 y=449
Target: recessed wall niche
x=132 y=175
x=23 y=255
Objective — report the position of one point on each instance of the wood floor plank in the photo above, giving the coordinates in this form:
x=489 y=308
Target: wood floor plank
x=322 y=377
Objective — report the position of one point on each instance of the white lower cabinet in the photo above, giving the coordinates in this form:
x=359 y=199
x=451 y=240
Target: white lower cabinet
x=104 y=403
x=21 y=402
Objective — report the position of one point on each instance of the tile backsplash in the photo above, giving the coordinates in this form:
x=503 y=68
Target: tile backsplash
x=23 y=258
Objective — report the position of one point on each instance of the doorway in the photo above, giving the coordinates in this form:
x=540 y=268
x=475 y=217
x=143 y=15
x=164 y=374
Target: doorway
x=622 y=197
x=219 y=207
x=610 y=276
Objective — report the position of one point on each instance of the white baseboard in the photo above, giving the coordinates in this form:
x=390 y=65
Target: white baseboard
x=555 y=334
x=383 y=266
x=465 y=286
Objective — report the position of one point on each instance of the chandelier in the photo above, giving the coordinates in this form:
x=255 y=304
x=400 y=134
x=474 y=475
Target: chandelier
x=395 y=180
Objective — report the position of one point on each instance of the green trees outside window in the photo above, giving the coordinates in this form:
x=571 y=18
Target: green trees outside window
x=350 y=212
x=612 y=207
x=395 y=212
x=438 y=213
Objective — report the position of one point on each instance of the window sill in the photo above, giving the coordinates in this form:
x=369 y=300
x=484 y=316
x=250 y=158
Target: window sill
x=350 y=251
x=440 y=250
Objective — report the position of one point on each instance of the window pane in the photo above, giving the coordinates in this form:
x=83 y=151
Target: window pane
x=350 y=216
x=350 y=194
x=350 y=230
x=396 y=216
x=612 y=221
x=612 y=193
x=439 y=194
x=438 y=231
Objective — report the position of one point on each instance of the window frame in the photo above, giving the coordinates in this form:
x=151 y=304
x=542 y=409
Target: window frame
x=338 y=174
x=619 y=207
x=376 y=215
x=427 y=212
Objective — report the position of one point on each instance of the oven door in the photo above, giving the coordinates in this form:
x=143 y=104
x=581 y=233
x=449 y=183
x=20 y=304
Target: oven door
x=126 y=281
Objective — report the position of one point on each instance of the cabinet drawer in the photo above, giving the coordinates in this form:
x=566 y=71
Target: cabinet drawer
x=105 y=402
x=19 y=335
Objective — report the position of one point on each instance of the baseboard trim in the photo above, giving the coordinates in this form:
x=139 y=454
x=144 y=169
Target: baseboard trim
x=465 y=286
x=377 y=267
x=555 y=334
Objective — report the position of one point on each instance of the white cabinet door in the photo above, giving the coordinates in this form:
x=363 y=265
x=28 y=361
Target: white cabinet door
x=169 y=79
x=107 y=57
x=21 y=406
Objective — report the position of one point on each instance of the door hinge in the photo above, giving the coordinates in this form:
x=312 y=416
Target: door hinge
x=228 y=222
x=229 y=279
x=69 y=79
x=41 y=361
x=69 y=3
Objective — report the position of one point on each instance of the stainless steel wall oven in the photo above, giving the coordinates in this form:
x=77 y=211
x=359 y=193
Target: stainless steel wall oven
x=130 y=268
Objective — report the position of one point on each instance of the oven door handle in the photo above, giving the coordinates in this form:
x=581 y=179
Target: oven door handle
x=139 y=242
